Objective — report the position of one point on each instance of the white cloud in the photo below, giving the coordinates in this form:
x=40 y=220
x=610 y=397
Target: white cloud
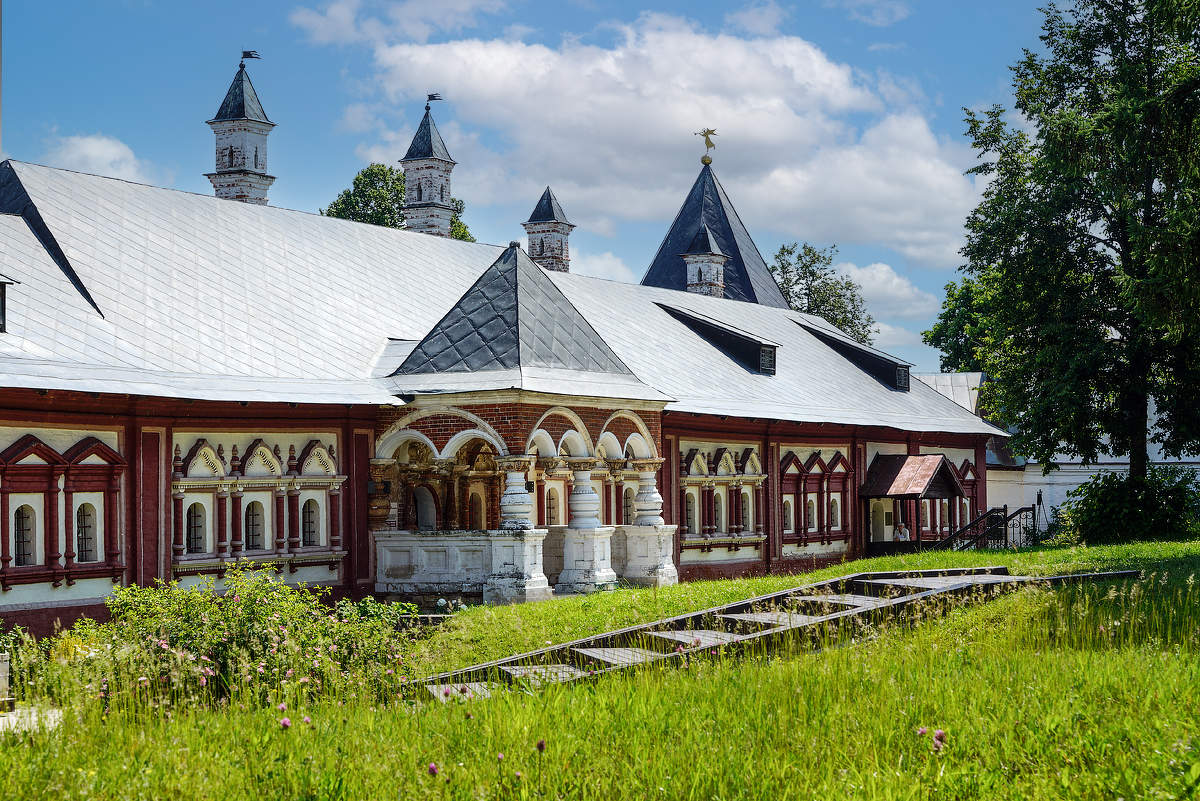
x=889 y=294
x=100 y=155
x=807 y=147
x=891 y=336
x=602 y=265
x=758 y=19
x=348 y=22
x=879 y=13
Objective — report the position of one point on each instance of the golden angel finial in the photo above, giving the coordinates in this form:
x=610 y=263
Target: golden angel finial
x=708 y=134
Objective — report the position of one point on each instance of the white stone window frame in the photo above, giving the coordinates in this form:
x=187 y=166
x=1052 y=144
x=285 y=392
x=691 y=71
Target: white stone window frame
x=96 y=500
x=37 y=502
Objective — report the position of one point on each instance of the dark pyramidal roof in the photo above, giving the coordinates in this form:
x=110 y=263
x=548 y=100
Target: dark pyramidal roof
x=513 y=316
x=241 y=101
x=704 y=242
x=427 y=142
x=746 y=275
x=548 y=210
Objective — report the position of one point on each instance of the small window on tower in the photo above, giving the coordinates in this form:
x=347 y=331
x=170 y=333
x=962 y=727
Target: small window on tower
x=418 y=191
x=231 y=157
x=256 y=158
x=443 y=193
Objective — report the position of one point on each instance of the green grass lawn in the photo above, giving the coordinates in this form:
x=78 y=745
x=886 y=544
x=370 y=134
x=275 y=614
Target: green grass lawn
x=1078 y=692
x=483 y=633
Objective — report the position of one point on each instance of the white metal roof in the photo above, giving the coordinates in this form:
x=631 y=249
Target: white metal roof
x=218 y=300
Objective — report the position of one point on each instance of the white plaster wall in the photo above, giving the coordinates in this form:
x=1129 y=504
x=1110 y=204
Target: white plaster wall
x=813 y=549
x=315 y=575
x=955 y=455
x=891 y=448
x=44 y=594
x=61 y=439
x=720 y=555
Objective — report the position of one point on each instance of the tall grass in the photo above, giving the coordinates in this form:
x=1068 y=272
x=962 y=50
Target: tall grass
x=1088 y=691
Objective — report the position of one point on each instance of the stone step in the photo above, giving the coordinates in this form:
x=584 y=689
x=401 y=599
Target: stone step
x=697 y=638
x=618 y=657
x=466 y=689
x=842 y=599
x=773 y=619
x=543 y=674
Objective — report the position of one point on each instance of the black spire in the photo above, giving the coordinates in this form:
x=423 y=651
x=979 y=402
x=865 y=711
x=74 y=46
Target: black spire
x=548 y=209
x=241 y=101
x=708 y=207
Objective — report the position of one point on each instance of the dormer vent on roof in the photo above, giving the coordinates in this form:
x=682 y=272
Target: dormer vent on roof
x=884 y=368
x=752 y=352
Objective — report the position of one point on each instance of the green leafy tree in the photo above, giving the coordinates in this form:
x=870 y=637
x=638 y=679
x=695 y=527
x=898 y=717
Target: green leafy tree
x=1080 y=296
x=377 y=197
x=956 y=332
x=810 y=284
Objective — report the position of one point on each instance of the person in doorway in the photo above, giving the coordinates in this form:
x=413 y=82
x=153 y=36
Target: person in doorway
x=902 y=533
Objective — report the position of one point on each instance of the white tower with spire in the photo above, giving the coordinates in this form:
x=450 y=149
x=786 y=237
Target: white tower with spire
x=705 y=264
x=241 y=128
x=427 y=167
x=548 y=230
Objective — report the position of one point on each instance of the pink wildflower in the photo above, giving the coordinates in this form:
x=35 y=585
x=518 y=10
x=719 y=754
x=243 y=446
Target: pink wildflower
x=282 y=707
x=922 y=731
x=307 y=719
x=541 y=746
x=284 y=723
x=433 y=769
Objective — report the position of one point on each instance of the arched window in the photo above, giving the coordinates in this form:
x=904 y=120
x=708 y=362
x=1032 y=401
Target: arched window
x=23 y=533
x=197 y=540
x=745 y=511
x=551 y=506
x=426 y=509
x=630 y=506
x=256 y=158
x=231 y=157
x=718 y=518
x=810 y=515
x=254 y=526
x=418 y=190
x=788 y=525
x=475 y=513
x=690 y=504
x=835 y=518
x=310 y=517
x=85 y=533
x=443 y=193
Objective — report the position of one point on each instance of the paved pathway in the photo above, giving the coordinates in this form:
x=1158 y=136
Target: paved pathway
x=764 y=621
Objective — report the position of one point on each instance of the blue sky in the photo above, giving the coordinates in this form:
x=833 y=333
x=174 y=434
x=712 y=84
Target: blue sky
x=839 y=121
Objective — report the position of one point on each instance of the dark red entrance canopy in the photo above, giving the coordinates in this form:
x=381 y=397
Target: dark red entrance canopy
x=891 y=476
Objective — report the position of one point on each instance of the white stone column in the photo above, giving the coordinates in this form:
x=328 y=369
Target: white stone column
x=516 y=506
x=587 y=555
x=648 y=503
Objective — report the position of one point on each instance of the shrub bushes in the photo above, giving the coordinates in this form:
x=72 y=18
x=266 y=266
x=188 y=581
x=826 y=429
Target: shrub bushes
x=1114 y=507
x=256 y=641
